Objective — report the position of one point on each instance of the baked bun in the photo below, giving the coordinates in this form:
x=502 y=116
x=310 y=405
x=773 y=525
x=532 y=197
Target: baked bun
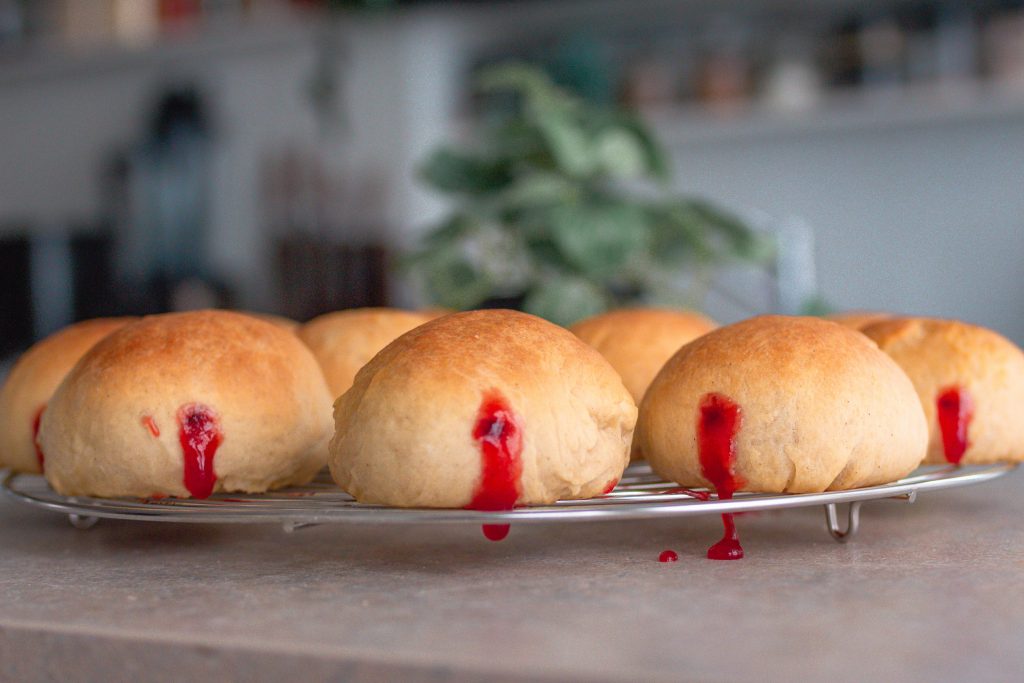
x=782 y=405
x=858 y=319
x=32 y=382
x=638 y=341
x=970 y=381
x=486 y=410
x=345 y=341
x=186 y=404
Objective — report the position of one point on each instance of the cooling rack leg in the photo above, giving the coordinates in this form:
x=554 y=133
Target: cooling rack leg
x=852 y=522
x=82 y=522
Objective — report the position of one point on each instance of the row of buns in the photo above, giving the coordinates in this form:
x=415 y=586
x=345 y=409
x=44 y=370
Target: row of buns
x=491 y=409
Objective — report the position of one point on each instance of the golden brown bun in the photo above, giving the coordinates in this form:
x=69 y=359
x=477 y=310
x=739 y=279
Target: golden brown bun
x=942 y=354
x=858 y=319
x=113 y=427
x=821 y=408
x=345 y=341
x=32 y=382
x=405 y=430
x=638 y=341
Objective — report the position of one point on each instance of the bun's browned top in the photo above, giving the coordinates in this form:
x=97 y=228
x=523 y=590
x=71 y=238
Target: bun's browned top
x=344 y=341
x=638 y=341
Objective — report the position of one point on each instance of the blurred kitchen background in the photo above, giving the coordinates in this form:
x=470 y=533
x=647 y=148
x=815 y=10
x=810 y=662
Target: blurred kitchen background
x=264 y=154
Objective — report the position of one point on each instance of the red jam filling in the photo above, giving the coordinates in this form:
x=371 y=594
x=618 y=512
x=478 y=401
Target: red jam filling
x=149 y=423
x=610 y=486
x=35 y=435
x=717 y=426
x=955 y=410
x=501 y=446
x=699 y=495
x=668 y=556
x=200 y=437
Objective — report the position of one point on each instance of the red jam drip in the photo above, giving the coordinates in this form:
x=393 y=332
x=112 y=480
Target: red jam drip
x=716 y=436
x=200 y=437
x=955 y=410
x=501 y=448
x=668 y=556
x=610 y=486
x=149 y=423
x=729 y=547
x=35 y=435
x=699 y=495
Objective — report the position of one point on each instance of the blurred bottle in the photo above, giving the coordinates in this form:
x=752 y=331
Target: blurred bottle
x=882 y=49
x=793 y=83
x=1004 y=49
x=159 y=201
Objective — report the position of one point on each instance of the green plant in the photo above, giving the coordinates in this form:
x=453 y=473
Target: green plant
x=565 y=204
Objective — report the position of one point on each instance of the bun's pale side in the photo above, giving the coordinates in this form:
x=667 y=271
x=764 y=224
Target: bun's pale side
x=31 y=383
x=820 y=408
x=858 y=319
x=345 y=341
x=975 y=367
x=411 y=431
x=638 y=341
x=127 y=417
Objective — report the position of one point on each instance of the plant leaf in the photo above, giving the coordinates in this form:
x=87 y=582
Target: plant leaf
x=656 y=156
x=567 y=143
x=599 y=240
x=455 y=172
x=453 y=282
x=619 y=154
x=564 y=299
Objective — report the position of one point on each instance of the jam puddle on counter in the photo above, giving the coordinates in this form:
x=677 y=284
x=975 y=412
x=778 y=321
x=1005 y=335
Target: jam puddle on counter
x=717 y=425
x=954 y=409
x=200 y=437
x=501 y=447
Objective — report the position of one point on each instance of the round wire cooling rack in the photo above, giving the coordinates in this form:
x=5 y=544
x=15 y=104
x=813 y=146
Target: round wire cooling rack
x=640 y=495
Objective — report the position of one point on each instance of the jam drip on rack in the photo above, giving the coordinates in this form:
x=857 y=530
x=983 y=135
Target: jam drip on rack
x=955 y=410
x=36 y=420
x=668 y=556
x=699 y=495
x=717 y=426
x=149 y=423
x=501 y=447
x=200 y=437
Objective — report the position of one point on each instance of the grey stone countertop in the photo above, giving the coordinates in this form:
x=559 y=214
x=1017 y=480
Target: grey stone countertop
x=932 y=591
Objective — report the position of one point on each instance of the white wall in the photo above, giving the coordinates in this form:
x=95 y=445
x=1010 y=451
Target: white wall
x=921 y=217
x=925 y=218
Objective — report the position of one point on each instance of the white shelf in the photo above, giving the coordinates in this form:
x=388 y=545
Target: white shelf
x=973 y=102
x=45 y=60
